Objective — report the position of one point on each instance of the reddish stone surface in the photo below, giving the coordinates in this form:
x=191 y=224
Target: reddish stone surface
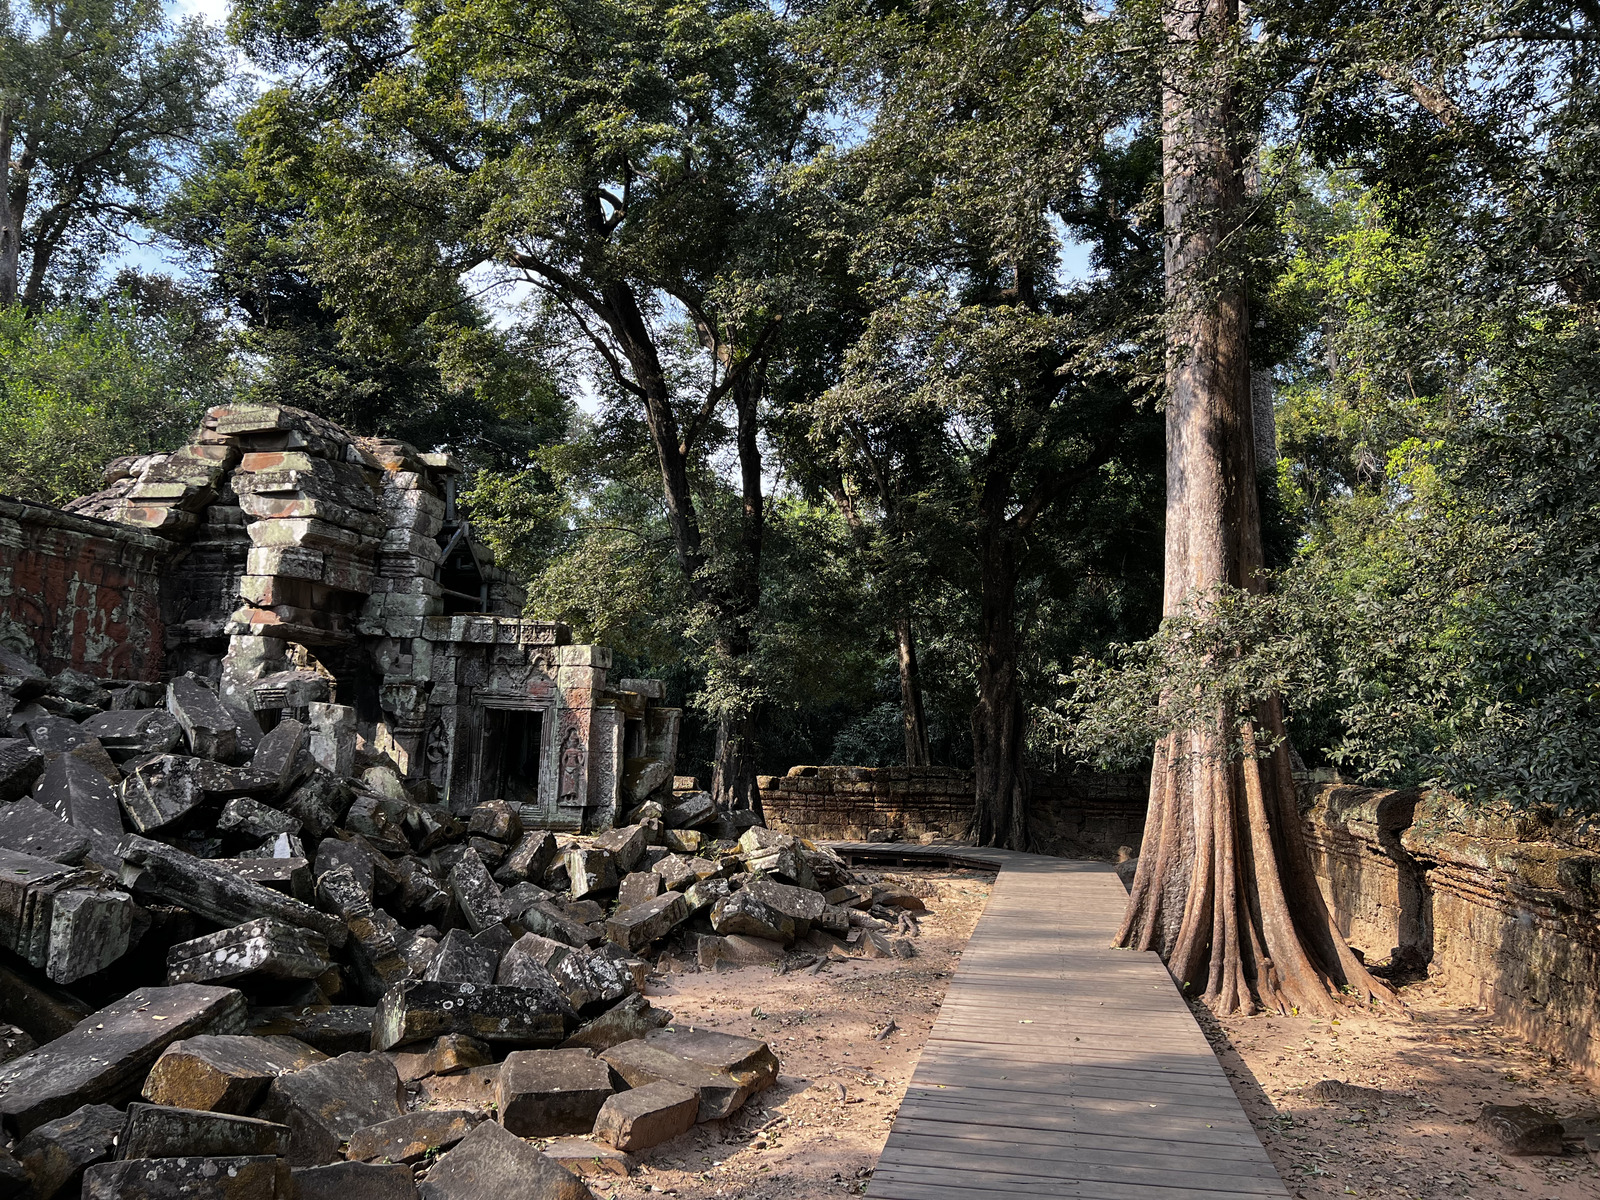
x=85 y=593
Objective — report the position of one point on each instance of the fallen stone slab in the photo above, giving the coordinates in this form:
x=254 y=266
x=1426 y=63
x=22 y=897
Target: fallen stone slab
x=417 y=1010
x=742 y=913
x=528 y=859
x=161 y=792
x=543 y=1093
x=107 y=1055
x=21 y=763
x=584 y=1157
x=226 y=1073
x=215 y=893
x=626 y=845
x=291 y=876
x=639 y=1063
x=331 y=1028
x=749 y=1060
x=629 y=1019
x=284 y=754
x=379 y=819
x=547 y=920
x=691 y=810
x=476 y=893
x=472 y=1089
x=683 y=841
x=702 y=895
x=261 y=947
x=320 y=803
x=29 y=828
x=1523 y=1129
x=355 y=1181
x=639 y=886
x=635 y=928
x=30 y=1000
x=497 y=819
x=81 y=795
x=211 y=728
x=794 y=902
x=490 y=1162
x=55 y=1154
x=135 y=732
x=59 y=918
x=156 y=1131
x=446 y=1055
x=254 y=1178
x=325 y=1103
x=647 y=1115
x=411 y=1137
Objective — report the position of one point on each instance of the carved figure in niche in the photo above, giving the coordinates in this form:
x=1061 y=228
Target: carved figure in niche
x=436 y=752
x=571 y=766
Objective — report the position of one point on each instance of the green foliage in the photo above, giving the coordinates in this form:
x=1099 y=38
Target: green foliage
x=80 y=386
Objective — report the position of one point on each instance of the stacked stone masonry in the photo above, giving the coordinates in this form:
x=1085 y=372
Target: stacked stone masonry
x=315 y=574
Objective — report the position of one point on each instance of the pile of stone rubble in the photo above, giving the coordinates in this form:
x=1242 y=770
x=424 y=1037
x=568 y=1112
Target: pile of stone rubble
x=228 y=971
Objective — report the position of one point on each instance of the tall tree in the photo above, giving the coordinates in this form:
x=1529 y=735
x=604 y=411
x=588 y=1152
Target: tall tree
x=622 y=161
x=101 y=103
x=1224 y=887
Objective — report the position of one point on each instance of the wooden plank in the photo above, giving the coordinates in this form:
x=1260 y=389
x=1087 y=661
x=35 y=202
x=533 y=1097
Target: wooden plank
x=1059 y=1066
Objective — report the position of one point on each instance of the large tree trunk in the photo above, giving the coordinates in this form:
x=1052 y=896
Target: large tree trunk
x=999 y=722
x=916 y=722
x=10 y=228
x=733 y=775
x=1224 y=889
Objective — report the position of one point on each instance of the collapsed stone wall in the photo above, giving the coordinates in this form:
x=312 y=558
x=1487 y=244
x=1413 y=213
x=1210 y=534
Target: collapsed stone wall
x=81 y=594
x=1073 y=814
x=1503 y=910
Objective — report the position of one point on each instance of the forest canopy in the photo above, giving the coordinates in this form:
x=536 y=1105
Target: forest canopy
x=815 y=356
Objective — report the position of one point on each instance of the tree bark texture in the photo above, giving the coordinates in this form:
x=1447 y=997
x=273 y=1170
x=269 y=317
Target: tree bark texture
x=916 y=721
x=10 y=228
x=1224 y=889
x=999 y=720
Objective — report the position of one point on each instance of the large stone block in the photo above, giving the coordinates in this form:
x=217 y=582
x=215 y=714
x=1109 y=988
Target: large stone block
x=332 y=1029
x=490 y=1163
x=590 y=872
x=543 y=1093
x=252 y=1178
x=226 y=1073
x=476 y=893
x=325 y=1103
x=76 y=792
x=355 y=1181
x=627 y=1020
x=135 y=732
x=30 y=828
x=55 y=1154
x=411 y=1137
x=211 y=728
x=107 y=1055
x=721 y=1093
x=635 y=928
x=528 y=860
x=21 y=763
x=646 y=1116
x=60 y=918
x=742 y=913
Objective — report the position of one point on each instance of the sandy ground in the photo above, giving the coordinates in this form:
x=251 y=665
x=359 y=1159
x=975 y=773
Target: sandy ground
x=819 y=1129
x=1440 y=1063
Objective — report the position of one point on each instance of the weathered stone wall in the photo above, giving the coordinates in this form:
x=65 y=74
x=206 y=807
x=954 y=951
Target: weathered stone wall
x=1073 y=814
x=80 y=592
x=1503 y=910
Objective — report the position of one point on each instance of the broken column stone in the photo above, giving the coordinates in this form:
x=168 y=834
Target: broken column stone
x=55 y=1154
x=545 y=919
x=528 y=859
x=215 y=893
x=226 y=1073
x=334 y=1029
x=354 y=1181
x=417 y=1010
x=462 y=960
x=333 y=738
x=107 y=1055
x=489 y=1162
x=262 y=946
x=646 y=1116
x=162 y=791
x=244 y=817
x=325 y=1103
x=376 y=954
x=283 y=754
x=253 y=1178
x=156 y=1131
x=59 y=918
x=635 y=928
x=411 y=1137
x=547 y=1092
x=212 y=729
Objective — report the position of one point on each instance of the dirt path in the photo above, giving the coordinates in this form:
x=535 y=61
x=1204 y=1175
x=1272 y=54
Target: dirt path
x=1441 y=1062
x=818 y=1131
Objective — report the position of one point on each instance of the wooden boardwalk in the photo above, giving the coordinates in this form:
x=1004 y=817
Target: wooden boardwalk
x=1058 y=1066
